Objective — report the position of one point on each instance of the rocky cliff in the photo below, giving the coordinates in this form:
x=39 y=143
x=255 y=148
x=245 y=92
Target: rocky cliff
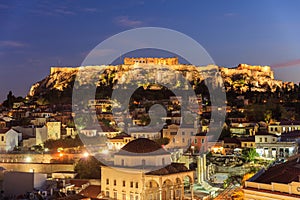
x=58 y=84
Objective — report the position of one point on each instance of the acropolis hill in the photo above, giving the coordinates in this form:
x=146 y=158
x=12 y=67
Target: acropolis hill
x=241 y=78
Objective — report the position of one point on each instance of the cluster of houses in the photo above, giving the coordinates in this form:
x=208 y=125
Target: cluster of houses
x=277 y=139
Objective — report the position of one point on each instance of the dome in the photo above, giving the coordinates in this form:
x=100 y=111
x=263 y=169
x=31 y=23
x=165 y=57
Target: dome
x=142 y=145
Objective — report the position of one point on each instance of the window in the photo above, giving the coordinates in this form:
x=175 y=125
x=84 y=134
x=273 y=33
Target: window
x=124 y=183
x=271 y=128
x=192 y=133
x=115 y=182
x=202 y=141
x=245 y=144
x=276 y=129
x=131 y=184
x=107 y=193
x=266 y=139
x=136 y=185
x=174 y=140
x=107 y=181
x=143 y=162
x=195 y=141
x=124 y=196
x=115 y=195
x=183 y=140
x=2 y=138
x=131 y=197
x=182 y=133
x=150 y=184
x=260 y=139
x=122 y=162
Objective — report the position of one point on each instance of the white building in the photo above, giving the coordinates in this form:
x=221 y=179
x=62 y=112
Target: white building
x=268 y=146
x=9 y=139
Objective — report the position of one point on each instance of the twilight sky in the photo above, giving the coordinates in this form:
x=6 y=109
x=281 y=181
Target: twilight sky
x=35 y=35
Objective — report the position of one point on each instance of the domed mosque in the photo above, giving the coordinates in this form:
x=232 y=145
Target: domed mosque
x=142 y=170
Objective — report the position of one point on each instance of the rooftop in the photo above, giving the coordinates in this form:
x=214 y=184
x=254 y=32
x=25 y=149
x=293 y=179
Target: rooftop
x=173 y=168
x=142 y=145
x=283 y=173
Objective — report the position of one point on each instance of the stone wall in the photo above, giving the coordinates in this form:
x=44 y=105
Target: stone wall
x=37 y=167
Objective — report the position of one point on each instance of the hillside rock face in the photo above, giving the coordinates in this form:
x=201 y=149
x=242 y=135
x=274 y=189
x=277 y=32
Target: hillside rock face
x=241 y=79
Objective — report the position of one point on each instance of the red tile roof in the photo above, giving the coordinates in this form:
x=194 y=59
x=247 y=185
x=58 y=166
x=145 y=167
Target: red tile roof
x=283 y=173
x=173 y=168
x=91 y=191
x=142 y=145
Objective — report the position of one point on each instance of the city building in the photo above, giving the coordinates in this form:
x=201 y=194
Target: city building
x=180 y=135
x=143 y=170
x=144 y=132
x=269 y=146
x=19 y=183
x=53 y=130
x=283 y=126
x=278 y=182
x=9 y=139
x=117 y=142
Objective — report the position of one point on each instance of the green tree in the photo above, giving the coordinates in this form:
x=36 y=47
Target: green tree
x=268 y=116
x=88 y=168
x=250 y=154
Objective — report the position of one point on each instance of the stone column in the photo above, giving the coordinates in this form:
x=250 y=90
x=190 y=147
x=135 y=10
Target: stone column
x=199 y=170
x=204 y=167
x=172 y=192
x=160 y=193
x=192 y=190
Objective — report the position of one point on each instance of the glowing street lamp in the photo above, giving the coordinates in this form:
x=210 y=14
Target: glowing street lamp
x=86 y=154
x=28 y=159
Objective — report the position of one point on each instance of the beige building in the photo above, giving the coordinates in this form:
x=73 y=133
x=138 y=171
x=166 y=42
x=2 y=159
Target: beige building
x=144 y=132
x=116 y=143
x=285 y=126
x=280 y=182
x=180 y=136
x=53 y=130
x=143 y=170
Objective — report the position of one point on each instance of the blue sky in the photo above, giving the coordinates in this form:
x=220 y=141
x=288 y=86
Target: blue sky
x=35 y=35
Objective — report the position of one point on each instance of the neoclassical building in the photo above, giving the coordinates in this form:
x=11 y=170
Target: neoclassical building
x=142 y=170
